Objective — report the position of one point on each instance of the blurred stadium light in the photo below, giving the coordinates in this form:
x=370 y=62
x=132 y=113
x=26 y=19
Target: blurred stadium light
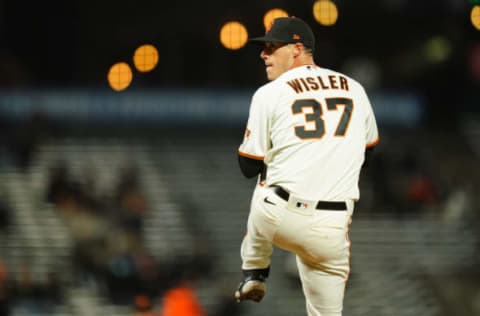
x=233 y=35
x=120 y=76
x=475 y=16
x=325 y=12
x=438 y=49
x=271 y=15
x=145 y=58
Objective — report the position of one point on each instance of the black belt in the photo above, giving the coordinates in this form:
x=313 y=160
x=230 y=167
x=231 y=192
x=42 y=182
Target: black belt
x=321 y=205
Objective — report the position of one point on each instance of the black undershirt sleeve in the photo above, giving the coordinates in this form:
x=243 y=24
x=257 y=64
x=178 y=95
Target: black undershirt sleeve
x=250 y=167
x=368 y=157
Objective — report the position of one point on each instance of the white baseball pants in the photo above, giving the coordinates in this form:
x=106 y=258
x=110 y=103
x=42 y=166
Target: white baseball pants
x=319 y=238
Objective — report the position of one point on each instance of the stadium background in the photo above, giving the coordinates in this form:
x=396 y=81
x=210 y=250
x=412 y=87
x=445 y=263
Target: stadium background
x=109 y=198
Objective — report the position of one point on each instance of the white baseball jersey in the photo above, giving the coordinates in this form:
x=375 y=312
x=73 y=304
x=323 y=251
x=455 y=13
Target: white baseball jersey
x=311 y=127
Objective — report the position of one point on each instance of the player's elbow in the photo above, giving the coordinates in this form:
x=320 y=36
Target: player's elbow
x=250 y=167
x=248 y=174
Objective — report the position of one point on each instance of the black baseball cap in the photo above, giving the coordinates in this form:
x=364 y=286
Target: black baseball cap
x=288 y=30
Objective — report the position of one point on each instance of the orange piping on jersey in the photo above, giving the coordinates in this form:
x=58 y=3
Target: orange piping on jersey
x=373 y=144
x=250 y=156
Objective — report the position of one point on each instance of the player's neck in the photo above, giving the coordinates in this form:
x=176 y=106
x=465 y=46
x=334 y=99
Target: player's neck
x=303 y=60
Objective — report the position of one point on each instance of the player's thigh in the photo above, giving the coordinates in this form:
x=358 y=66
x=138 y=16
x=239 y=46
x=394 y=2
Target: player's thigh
x=324 y=290
x=325 y=240
x=265 y=213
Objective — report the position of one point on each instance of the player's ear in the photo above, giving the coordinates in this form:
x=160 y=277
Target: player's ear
x=297 y=49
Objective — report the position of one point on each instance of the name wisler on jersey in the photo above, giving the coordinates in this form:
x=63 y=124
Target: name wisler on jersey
x=301 y=84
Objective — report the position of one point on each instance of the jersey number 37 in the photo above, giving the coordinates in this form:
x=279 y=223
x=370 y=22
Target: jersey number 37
x=316 y=116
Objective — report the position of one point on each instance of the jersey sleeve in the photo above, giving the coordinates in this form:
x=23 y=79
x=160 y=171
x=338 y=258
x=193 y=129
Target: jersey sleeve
x=372 y=137
x=256 y=138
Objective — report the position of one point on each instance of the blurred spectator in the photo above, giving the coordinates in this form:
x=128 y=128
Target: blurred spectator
x=131 y=201
x=107 y=233
x=88 y=228
x=61 y=189
x=87 y=190
x=148 y=272
x=133 y=272
x=120 y=277
x=66 y=192
x=133 y=206
x=128 y=180
x=90 y=233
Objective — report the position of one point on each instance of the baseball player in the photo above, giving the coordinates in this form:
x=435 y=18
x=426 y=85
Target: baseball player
x=306 y=139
